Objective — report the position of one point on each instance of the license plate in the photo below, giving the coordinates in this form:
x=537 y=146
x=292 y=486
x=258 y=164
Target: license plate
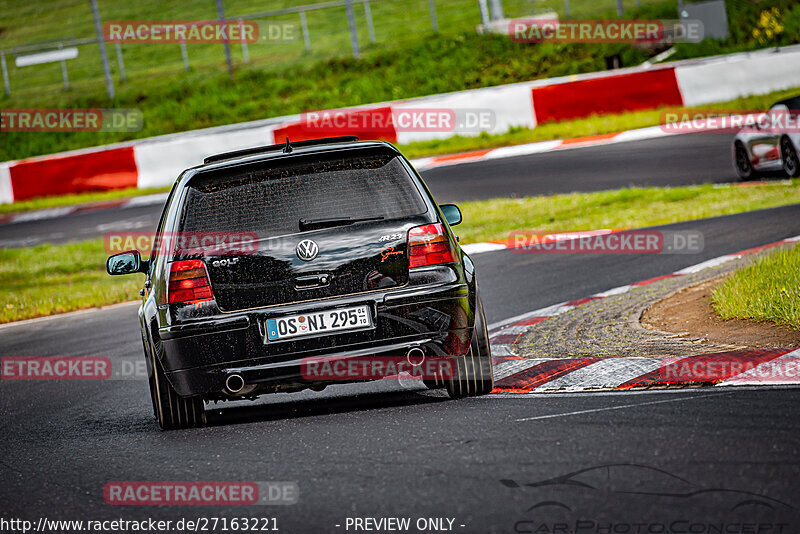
x=308 y=324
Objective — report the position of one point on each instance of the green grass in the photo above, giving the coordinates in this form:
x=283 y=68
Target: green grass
x=492 y=220
x=768 y=290
x=51 y=279
x=408 y=60
x=201 y=99
x=397 y=24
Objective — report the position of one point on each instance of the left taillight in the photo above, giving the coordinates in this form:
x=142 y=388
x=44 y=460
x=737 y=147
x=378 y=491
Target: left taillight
x=429 y=245
x=188 y=282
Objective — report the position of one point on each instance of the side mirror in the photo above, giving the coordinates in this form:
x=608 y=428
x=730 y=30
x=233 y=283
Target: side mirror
x=126 y=263
x=451 y=214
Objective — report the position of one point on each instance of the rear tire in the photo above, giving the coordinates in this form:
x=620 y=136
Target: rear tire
x=173 y=411
x=791 y=164
x=473 y=372
x=744 y=168
x=149 y=364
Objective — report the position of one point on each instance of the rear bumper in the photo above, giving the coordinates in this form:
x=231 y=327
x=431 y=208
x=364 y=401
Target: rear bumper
x=287 y=376
x=199 y=355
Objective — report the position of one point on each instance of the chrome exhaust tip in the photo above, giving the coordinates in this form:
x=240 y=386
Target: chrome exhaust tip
x=234 y=383
x=415 y=356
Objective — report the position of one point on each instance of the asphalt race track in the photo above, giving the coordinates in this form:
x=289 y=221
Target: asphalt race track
x=669 y=161
x=685 y=460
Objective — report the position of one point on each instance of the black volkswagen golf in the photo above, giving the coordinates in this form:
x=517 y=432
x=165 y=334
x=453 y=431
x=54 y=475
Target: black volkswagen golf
x=291 y=266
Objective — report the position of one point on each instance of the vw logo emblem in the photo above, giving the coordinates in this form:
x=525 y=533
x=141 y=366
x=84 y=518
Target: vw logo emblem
x=307 y=250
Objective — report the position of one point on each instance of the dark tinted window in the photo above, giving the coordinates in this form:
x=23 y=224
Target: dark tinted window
x=270 y=199
x=791 y=103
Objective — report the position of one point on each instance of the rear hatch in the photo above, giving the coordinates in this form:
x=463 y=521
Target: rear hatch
x=303 y=227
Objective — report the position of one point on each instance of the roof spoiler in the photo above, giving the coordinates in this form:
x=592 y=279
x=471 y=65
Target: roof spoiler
x=283 y=147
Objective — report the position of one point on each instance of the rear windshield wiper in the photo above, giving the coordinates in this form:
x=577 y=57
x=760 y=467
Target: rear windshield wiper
x=314 y=224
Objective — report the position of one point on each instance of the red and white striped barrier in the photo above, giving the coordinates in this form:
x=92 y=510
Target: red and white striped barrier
x=777 y=367
x=731 y=77
x=514 y=374
x=647 y=89
x=157 y=161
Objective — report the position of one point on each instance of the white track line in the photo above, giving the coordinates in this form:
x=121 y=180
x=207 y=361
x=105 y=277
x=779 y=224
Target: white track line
x=621 y=407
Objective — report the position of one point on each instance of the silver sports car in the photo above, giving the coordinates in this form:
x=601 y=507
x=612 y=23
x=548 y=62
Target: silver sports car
x=762 y=149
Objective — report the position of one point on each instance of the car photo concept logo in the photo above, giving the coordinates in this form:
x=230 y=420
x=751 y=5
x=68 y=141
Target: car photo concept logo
x=307 y=250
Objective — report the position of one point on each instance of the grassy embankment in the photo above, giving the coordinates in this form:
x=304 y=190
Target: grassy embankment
x=407 y=60
x=768 y=290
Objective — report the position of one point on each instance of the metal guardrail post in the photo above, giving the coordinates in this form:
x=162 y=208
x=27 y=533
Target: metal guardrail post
x=245 y=51
x=351 y=22
x=226 y=43
x=497 y=9
x=5 y=73
x=434 y=20
x=484 y=13
x=370 y=27
x=64 y=73
x=304 y=27
x=101 y=42
x=120 y=62
x=185 y=56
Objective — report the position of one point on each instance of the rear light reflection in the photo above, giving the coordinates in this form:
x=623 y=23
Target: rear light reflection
x=188 y=282
x=429 y=245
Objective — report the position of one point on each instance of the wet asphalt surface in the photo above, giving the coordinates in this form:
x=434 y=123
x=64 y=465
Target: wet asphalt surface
x=686 y=460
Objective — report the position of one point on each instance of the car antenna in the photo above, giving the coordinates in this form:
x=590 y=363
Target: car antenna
x=288 y=148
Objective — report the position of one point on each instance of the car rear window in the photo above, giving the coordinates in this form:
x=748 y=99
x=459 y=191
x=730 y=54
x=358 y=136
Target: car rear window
x=270 y=198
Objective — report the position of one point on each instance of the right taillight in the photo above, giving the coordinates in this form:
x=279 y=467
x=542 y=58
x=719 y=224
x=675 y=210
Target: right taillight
x=429 y=245
x=188 y=282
